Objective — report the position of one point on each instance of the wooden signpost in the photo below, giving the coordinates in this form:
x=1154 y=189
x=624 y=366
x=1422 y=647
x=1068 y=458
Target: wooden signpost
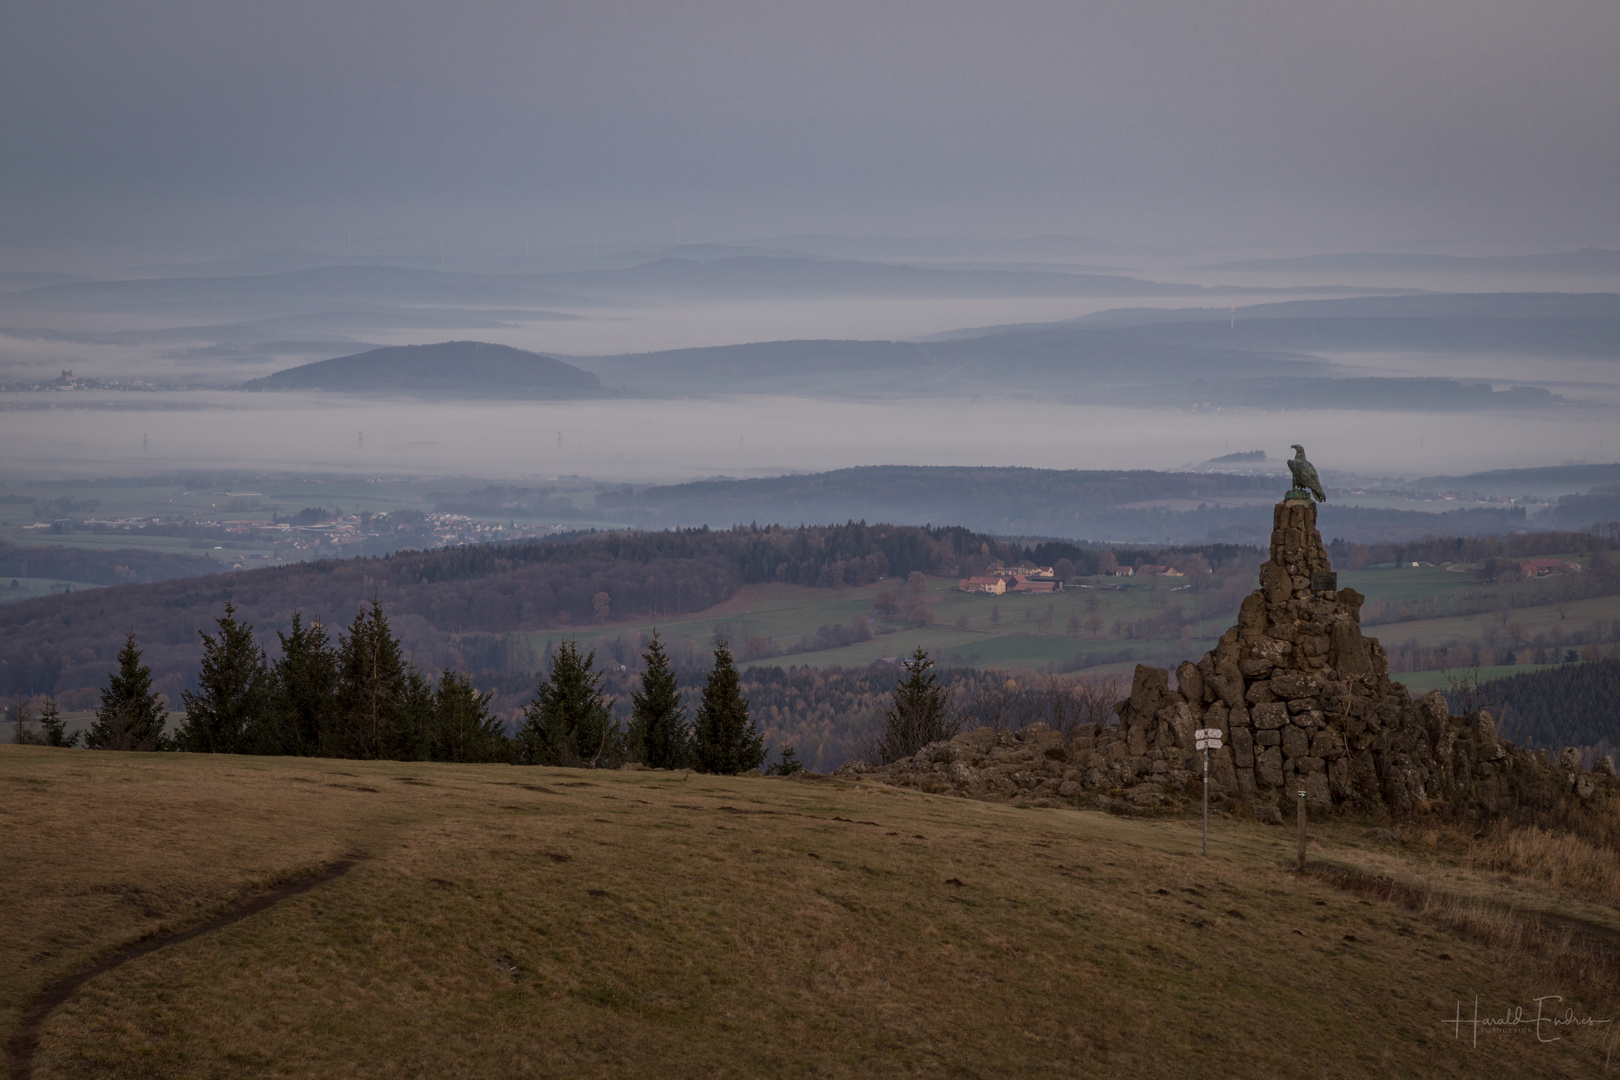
x=1207 y=739
x=1302 y=828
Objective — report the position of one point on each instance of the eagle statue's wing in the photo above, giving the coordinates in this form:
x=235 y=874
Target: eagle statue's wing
x=1305 y=478
x=1309 y=481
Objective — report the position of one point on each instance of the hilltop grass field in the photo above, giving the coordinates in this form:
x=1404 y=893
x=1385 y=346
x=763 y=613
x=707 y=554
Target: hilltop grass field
x=508 y=921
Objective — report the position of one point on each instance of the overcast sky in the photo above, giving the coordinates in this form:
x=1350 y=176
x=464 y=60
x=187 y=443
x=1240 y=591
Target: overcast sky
x=1452 y=124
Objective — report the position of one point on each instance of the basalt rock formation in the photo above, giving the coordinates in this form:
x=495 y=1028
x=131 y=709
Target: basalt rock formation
x=1304 y=702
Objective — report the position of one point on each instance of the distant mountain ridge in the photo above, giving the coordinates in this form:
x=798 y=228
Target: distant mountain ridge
x=1275 y=355
x=760 y=276
x=1585 y=261
x=451 y=367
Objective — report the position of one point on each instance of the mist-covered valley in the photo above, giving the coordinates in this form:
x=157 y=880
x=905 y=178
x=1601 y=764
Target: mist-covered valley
x=755 y=361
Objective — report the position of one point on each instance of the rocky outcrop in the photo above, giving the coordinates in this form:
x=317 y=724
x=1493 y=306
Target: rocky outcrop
x=1304 y=702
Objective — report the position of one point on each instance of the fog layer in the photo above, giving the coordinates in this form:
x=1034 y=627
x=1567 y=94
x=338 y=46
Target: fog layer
x=97 y=434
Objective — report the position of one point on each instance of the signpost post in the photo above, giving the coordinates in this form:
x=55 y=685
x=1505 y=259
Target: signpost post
x=1207 y=739
x=1302 y=829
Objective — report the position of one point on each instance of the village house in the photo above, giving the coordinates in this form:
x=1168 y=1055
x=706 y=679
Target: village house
x=1546 y=567
x=995 y=586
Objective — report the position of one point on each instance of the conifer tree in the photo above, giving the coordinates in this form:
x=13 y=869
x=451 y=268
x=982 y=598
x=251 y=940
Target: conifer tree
x=372 y=689
x=918 y=715
x=462 y=728
x=658 y=735
x=569 y=721
x=54 y=727
x=726 y=739
x=788 y=765
x=233 y=691
x=130 y=716
x=409 y=738
x=304 y=694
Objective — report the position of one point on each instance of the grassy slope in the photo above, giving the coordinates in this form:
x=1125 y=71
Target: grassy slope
x=527 y=922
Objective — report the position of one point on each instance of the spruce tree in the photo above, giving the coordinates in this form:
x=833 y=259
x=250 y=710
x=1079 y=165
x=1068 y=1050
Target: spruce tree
x=304 y=694
x=726 y=739
x=569 y=721
x=462 y=728
x=233 y=691
x=789 y=764
x=54 y=727
x=409 y=738
x=130 y=716
x=371 y=691
x=918 y=715
x=658 y=735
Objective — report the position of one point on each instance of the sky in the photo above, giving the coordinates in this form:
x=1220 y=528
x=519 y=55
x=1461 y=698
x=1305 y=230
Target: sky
x=1265 y=125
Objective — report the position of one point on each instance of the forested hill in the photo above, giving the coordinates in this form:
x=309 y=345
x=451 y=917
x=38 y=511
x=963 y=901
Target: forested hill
x=453 y=367
x=98 y=567
x=1135 y=505
x=1567 y=705
x=1010 y=501
x=66 y=644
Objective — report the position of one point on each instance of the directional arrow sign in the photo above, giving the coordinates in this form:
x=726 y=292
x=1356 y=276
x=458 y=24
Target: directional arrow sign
x=1207 y=733
x=1209 y=744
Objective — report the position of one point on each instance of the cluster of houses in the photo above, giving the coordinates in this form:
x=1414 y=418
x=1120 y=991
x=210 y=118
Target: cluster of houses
x=1024 y=579
x=997 y=580
x=1548 y=567
x=1145 y=570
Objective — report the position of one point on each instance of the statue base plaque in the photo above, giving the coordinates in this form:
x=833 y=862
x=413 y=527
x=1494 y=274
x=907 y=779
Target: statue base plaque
x=1297 y=496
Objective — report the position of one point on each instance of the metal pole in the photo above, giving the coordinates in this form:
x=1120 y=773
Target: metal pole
x=1302 y=828
x=1206 y=801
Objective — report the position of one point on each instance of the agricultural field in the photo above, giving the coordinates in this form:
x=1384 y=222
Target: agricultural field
x=1110 y=624
x=26 y=588
x=965 y=630
x=471 y=921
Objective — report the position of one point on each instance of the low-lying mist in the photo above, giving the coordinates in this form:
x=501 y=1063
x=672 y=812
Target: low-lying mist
x=97 y=433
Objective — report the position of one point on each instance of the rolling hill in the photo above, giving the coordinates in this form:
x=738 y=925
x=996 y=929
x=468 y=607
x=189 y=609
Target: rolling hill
x=1585 y=261
x=1278 y=355
x=452 y=367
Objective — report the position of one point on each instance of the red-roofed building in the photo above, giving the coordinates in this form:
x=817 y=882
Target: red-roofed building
x=1544 y=567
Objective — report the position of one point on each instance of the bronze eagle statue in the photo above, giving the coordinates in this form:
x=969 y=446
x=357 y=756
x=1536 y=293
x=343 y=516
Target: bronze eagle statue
x=1304 y=474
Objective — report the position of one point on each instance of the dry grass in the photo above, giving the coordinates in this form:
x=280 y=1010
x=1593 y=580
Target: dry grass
x=528 y=922
x=1563 y=860
x=1562 y=948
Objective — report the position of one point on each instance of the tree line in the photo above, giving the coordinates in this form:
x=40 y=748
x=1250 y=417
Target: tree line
x=1456 y=549
x=63 y=644
x=360 y=698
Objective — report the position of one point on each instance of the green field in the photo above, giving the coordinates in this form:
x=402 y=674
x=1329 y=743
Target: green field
x=1422 y=682
x=1033 y=632
x=970 y=630
x=27 y=588
x=1596 y=613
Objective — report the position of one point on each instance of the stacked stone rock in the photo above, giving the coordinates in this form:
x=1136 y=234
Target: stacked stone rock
x=1304 y=702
